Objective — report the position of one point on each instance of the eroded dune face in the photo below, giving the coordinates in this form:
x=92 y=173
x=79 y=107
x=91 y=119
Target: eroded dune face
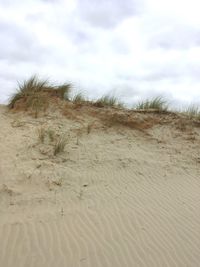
x=111 y=195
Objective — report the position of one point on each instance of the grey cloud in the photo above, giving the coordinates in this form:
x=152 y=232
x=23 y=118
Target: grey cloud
x=132 y=92
x=107 y=13
x=21 y=2
x=50 y=1
x=39 y=16
x=10 y=3
x=80 y=46
x=177 y=37
x=194 y=71
x=156 y=75
x=162 y=74
x=19 y=44
x=119 y=46
x=5 y=2
x=173 y=72
x=81 y=38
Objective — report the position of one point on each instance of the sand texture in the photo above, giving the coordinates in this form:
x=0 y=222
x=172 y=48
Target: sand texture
x=117 y=196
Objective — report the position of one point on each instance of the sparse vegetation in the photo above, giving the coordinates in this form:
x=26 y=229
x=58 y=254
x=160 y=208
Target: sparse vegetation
x=28 y=91
x=64 y=90
x=58 y=182
x=108 y=101
x=89 y=127
x=59 y=145
x=52 y=135
x=41 y=134
x=193 y=111
x=79 y=98
x=34 y=95
x=54 y=144
x=157 y=103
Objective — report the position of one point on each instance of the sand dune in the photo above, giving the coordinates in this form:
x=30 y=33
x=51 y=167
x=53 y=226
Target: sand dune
x=115 y=197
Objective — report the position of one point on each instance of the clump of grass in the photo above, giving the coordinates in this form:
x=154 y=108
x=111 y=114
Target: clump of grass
x=64 y=90
x=51 y=134
x=108 y=101
x=41 y=134
x=193 y=111
x=89 y=127
x=157 y=103
x=34 y=95
x=54 y=142
x=78 y=98
x=27 y=89
x=58 y=182
x=59 y=145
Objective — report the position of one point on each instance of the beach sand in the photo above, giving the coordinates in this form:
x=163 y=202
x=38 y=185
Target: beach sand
x=116 y=196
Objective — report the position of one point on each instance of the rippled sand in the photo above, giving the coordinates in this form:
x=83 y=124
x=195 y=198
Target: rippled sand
x=114 y=197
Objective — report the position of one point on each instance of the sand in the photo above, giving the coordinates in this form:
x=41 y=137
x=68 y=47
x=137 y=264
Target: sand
x=114 y=197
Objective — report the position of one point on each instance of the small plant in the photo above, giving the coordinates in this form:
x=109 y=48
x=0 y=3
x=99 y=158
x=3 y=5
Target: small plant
x=64 y=90
x=51 y=134
x=157 y=103
x=59 y=145
x=79 y=98
x=89 y=127
x=58 y=182
x=193 y=111
x=109 y=101
x=41 y=134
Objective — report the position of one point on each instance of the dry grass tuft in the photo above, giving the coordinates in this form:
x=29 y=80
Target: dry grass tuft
x=51 y=134
x=59 y=145
x=108 y=101
x=28 y=91
x=64 y=90
x=193 y=111
x=35 y=95
x=89 y=127
x=54 y=142
x=78 y=98
x=41 y=134
x=157 y=103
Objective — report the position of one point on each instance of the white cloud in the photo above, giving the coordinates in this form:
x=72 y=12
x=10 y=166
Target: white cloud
x=135 y=50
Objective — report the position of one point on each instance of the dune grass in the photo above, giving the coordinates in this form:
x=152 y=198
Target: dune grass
x=41 y=134
x=59 y=146
x=33 y=94
x=193 y=111
x=28 y=89
x=157 y=103
x=108 y=101
x=78 y=98
x=64 y=90
x=53 y=139
x=51 y=134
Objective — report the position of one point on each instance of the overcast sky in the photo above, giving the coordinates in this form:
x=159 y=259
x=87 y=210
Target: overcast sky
x=131 y=48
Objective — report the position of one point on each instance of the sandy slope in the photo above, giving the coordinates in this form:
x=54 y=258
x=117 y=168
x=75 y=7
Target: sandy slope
x=115 y=197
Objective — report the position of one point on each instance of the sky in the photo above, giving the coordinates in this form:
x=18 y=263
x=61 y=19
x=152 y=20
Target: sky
x=133 y=49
